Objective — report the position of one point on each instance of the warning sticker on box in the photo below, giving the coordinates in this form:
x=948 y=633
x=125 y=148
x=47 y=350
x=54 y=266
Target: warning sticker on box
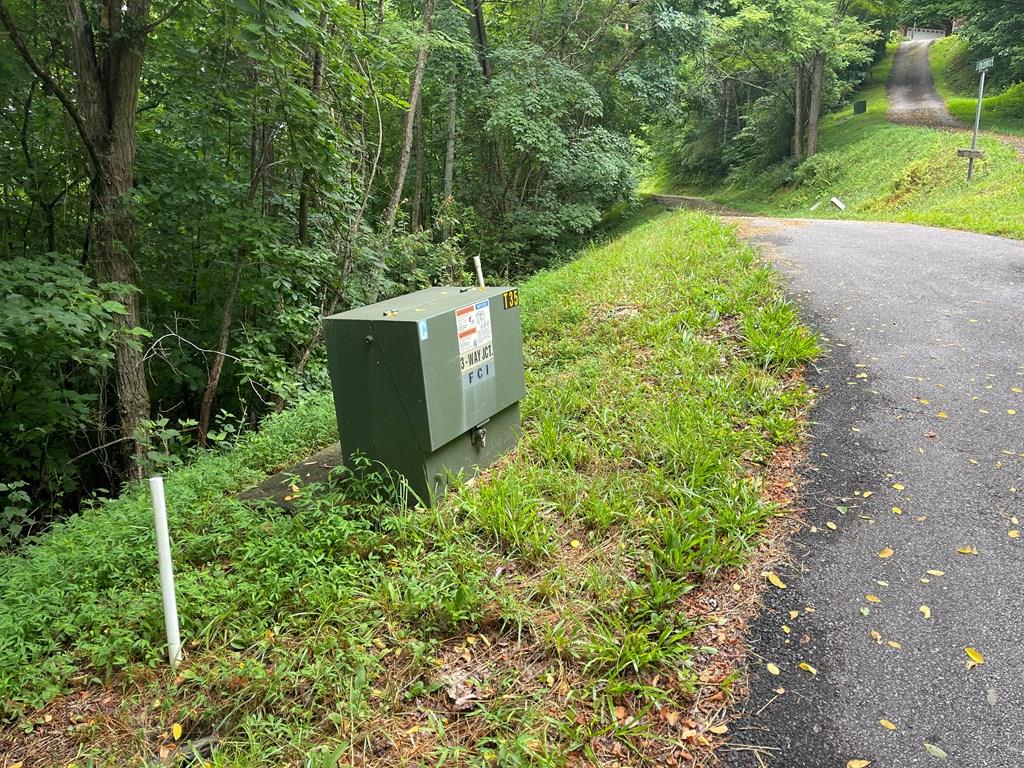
x=476 y=350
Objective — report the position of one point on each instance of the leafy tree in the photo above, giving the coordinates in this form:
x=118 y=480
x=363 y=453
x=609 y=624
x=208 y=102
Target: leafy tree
x=230 y=174
x=755 y=91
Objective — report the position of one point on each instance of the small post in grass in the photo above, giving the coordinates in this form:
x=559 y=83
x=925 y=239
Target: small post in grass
x=163 y=548
x=479 y=273
x=982 y=66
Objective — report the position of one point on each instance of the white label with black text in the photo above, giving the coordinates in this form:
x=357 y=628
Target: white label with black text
x=476 y=348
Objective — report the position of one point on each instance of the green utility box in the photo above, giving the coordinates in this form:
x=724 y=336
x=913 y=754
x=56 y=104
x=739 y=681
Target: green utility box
x=429 y=383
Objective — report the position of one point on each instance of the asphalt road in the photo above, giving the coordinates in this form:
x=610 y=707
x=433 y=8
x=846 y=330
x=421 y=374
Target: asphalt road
x=911 y=91
x=917 y=446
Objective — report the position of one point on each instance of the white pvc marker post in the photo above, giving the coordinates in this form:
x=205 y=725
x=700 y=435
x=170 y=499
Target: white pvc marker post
x=479 y=273
x=163 y=548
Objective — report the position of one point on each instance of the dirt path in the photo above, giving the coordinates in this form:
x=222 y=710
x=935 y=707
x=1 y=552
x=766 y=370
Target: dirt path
x=695 y=204
x=910 y=89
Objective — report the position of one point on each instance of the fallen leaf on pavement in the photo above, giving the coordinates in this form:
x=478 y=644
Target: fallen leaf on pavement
x=925 y=611
x=894 y=644
x=808 y=668
x=888 y=724
x=718 y=730
x=898 y=486
x=935 y=751
x=967 y=549
x=858 y=763
x=775 y=580
x=887 y=552
x=933 y=572
x=772 y=669
x=976 y=657
x=1014 y=534
x=872 y=598
x=830 y=525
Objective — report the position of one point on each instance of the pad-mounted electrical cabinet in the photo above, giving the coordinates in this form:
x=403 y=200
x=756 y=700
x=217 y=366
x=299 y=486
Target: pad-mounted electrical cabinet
x=429 y=383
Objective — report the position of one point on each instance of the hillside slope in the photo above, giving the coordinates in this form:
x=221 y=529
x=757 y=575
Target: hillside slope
x=885 y=171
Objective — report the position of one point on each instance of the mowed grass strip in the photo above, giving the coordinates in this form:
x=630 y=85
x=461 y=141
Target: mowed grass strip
x=536 y=617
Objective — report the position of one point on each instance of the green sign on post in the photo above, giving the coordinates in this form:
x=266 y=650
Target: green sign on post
x=982 y=66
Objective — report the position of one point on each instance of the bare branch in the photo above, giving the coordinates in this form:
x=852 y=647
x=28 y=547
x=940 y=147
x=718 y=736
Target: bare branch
x=165 y=16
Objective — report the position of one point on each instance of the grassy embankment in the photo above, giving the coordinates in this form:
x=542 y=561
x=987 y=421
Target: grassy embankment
x=888 y=172
x=536 y=615
x=956 y=80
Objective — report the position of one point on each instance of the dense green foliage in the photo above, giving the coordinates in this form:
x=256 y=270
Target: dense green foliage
x=551 y=592
x=260 y=183
x=765 y=70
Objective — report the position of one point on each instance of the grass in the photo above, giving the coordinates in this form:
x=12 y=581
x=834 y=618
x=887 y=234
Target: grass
x=511 y=625
x=888 y=172
x=953 y=69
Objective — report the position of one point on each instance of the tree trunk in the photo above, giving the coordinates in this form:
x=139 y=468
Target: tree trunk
x=106 y=58
x=306 y=190
x=416 y=214
x=479 y=32
x=798 y=114
x=108 y=91
x=449 y=158
x=415 y=88
x=814 y=111
x=223 y=336
x=112 y=263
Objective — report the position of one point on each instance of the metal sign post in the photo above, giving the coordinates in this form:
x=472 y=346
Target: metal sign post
x=983 y=66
